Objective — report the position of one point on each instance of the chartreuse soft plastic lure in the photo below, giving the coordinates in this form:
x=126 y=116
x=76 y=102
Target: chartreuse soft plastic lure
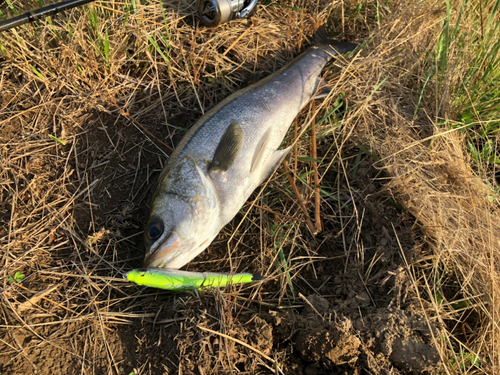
x=178 y=280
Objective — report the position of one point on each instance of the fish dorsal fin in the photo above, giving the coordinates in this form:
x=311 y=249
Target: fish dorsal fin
x=228 y=148
x=260 y=151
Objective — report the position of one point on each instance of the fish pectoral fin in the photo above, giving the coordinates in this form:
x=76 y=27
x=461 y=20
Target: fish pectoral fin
x=260 y=151
x=273 y=163
x=228 y=148
x=207 y=184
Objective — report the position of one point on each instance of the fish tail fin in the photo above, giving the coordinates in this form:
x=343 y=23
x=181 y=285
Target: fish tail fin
x=323 y=40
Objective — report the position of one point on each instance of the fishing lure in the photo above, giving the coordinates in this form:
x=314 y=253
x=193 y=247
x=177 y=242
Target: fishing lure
x=169 y=279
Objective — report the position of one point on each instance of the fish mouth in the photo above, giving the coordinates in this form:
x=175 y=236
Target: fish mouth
x=172 y=257
x=164 y=254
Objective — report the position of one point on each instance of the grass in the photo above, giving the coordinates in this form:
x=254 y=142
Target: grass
x=17 y=278
x=467 y=58
x=475 y=86
x=402 y=180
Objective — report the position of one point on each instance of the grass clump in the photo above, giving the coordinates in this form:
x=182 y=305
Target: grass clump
x=468 y=62
x=443 y=175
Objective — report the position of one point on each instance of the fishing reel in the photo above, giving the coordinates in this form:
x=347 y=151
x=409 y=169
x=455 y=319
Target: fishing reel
x=212 y=12
x=215 y=12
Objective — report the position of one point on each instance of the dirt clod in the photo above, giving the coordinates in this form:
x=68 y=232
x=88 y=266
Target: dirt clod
x=331 y=345
x=413 y=356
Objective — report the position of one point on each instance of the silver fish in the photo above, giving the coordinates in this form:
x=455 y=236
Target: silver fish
x=230 y=151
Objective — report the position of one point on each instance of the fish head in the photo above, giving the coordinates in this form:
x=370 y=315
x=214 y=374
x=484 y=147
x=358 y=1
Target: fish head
x=183 y=217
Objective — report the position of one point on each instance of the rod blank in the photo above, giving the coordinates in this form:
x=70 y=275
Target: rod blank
x=40 y=13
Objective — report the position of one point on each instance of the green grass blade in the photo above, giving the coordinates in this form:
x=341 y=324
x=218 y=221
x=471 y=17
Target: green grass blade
x=12 y=7
x=429 y=75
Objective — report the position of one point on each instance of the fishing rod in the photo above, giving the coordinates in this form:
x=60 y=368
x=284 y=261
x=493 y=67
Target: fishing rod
x=211 y=12
x=40 y=13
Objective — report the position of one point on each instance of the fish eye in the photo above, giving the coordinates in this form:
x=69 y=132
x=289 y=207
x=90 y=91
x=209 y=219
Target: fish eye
x=155 y=230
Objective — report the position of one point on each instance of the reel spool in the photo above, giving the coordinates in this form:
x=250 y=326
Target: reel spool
x=215 y=12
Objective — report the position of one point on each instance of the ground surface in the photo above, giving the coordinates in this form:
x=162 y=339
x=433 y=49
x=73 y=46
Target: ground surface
x=340 y=302
x=349 y=311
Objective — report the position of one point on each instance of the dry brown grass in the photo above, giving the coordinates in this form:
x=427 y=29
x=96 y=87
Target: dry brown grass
x=72 y=215
x=433 y=178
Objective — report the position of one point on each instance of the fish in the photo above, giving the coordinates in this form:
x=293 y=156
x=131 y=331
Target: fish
x=227 y=154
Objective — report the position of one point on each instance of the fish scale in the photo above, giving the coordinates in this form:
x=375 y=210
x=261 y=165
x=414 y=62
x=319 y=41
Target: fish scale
x=227 y=153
